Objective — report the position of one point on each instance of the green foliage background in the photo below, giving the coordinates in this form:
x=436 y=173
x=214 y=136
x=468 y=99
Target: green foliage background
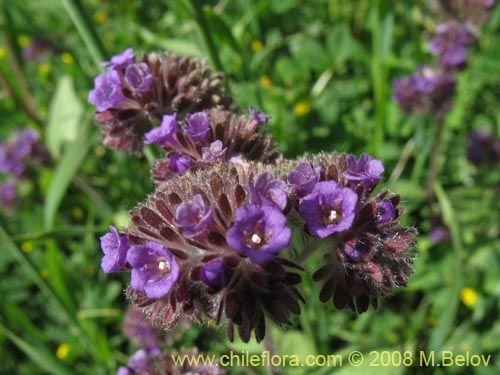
x=323 y=69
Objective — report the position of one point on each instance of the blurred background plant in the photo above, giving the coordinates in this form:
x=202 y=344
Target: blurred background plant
x=324 y=70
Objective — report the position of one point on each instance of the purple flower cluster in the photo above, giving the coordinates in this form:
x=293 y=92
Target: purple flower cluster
x=215 y=242
x=207 y=138
x=483 y=147
x=426 y=91
x=216 y=239
x=431 y=90
x=17 y=156
x=136 y=93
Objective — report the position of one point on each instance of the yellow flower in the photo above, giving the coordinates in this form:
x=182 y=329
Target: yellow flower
x=44 y=273
x=44 y=68
x=431 y=320
x=27 y=247
x=265 y=81
x=63 y=350
x=2 y=53
x=256 y=45
x=100 y=16
x=23 y=40
x=302 y=108
x=77 y=213
x=67 y=58
x=468 y=296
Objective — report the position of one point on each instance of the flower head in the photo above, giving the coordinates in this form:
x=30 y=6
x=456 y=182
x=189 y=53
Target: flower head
x=165 y=133
x=268 y=190
x=385 y=211
x=197 y=128
x=303 y=178
x=328 y=209
x=193 y=217
x=114 y=247
x=259 y=232
x=154 y=269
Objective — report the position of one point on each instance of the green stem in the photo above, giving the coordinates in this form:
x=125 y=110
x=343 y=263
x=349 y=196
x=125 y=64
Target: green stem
x=201 y=20
x=88 y=33
x=447 y=318
x=435 y=156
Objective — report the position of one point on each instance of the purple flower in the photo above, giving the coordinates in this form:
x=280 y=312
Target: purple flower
x=179 y=163
x=138 y=328
x=122 y=60
x=385 y=211
x=366 y=170
x=215 y=274
x=258 y=116
x=165 y=133
x=328 y=209
x=154 y=269
x=193 y=217
x=107 y=92
x=25 y=142
x=303 y=178
x=214 y=153
x=139 y=361
x=357 y=249
x=12 y=155
x=439 y=233
x=115 y=249
x=8 y=194
x=259 y=232
x=197 y=127
x=138 y=77
x=123 y=371
x=268 y=190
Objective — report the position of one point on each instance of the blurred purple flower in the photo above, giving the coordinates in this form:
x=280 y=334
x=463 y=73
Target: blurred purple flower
x=139 y=361
x=8 y=194
x=259 y=232
x=164 y=134
x=194 y=217
x=123 y=371
x=214 y=153
x=303 y=178
x=154 y=269
x=139 y=330
x=268 y=190
x=197 y=127
x=328 y=209
x=138 y=77
x=121 y=60
x=114 y=247
x=258 y=116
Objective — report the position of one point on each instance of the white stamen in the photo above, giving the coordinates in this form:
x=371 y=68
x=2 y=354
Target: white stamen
x=333 y=215
x=256 y=239
x=163 y=265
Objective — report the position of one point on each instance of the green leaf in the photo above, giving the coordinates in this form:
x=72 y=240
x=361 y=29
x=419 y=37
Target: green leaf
x=65 y=170
x=297 y=345
x=65 y=113
x=221 y=33
x=41 y=356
